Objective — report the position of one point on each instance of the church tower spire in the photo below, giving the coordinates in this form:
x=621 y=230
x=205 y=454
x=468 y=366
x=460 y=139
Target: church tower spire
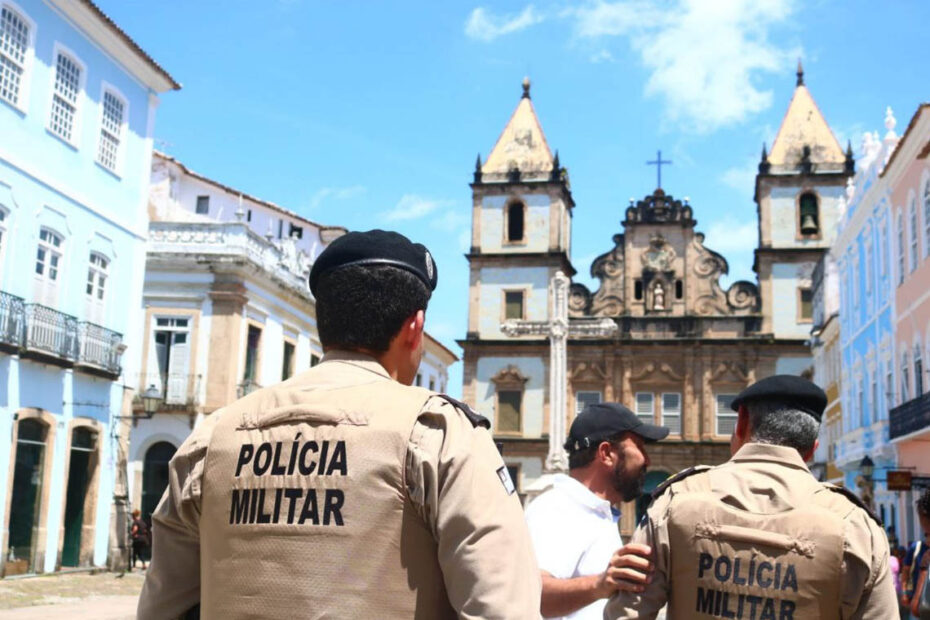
x=798 y=187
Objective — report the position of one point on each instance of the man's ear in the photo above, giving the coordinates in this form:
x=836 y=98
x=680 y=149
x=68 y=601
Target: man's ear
x=605 y=453
x=413 y=329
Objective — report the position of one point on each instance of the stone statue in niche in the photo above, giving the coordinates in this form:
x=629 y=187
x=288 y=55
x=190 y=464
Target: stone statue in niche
x=658 y=297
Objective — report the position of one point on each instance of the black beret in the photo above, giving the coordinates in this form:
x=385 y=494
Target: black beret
x=788 y=390
x=376 y=247
x=599 y=421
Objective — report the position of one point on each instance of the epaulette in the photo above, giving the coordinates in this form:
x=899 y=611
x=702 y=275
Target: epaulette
x=473 y=416
x=855 y=499
x=676 y=477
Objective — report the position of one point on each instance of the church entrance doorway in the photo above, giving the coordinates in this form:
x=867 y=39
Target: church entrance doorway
x=26 y=502
x=80 y=474
x=155 y=476
x=653 y=480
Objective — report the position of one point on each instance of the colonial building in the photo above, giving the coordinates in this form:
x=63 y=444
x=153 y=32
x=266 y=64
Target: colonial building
x=863 y=250
x=907 y=176
x=826 y=350
x=226 y=308
x=682 y=346
x=77 y=112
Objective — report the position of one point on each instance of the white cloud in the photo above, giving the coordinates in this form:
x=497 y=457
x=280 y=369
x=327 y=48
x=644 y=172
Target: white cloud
x=413 y=207
x=704 y=58
x=601 y=56
x=334 y=193
x=742 y=178
x=485 y=26
x=731 y=235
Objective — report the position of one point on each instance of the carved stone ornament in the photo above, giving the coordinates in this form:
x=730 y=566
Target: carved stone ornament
x=509 y=375
x=660 y=254
x=609 y=269
x=588 y=372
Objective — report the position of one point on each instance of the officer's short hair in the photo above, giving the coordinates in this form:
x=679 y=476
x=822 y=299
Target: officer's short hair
x=584 y=457
x=782 y=425
x=364 y=306
x=923 y=503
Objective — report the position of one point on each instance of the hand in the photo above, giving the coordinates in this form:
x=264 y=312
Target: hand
x=629 y=569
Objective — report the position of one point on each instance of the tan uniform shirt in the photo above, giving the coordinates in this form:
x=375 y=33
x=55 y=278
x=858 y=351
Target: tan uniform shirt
x=765 y=479
x=451 y=473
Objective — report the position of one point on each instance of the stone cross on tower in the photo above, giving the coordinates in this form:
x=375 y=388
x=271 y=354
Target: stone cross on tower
x=558 y=329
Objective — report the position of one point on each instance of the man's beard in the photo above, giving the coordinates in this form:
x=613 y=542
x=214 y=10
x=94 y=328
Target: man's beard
x=627 y=483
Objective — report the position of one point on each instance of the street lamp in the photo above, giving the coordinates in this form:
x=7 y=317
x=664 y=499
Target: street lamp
x=866 y=466
x=865 y=483
x=151 y=401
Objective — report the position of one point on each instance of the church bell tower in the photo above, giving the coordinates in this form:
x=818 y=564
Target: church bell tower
x=521 y=236
x=799 y=188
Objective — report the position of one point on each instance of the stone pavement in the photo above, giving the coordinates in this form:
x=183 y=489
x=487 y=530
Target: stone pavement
x=76 y=596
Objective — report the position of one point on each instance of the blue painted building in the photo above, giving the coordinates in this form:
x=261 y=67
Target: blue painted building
x=864 y=251
x=77 y=110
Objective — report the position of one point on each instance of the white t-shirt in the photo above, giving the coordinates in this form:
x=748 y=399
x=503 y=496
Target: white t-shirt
x=574 y=533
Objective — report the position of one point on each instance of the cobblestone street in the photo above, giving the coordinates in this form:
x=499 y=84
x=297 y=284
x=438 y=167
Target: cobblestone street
x=77 y=596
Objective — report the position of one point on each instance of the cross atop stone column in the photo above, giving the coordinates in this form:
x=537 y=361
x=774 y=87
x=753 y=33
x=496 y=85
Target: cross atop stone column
x=558 y=329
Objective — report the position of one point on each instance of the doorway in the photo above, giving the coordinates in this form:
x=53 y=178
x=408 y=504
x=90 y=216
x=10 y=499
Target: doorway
x=155 y=476
x=26 y=502
x=80 y=474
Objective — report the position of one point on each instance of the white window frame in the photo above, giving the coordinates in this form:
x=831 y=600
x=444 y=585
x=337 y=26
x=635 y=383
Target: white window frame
x=917 y=360
x=108 y=89
x=50 y=250
x=724 y=414
x=905 y=376
x=869 y=257
x=926 y=205
x=22 y=101
x=94 y=273
x=584 y=398
x=902 y=240
x=672 y=414
x=914 y=239
x=74 y=139
x=641 y=411
x=4 y=231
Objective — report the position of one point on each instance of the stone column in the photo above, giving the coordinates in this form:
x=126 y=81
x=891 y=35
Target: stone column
x=229 y=301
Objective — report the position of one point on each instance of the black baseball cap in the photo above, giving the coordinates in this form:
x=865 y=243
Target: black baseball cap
x=602 y=420
x=789 y=390
x=376 y=247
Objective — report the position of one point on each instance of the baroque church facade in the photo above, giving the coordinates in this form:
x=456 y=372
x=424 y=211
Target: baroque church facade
x=683 y=345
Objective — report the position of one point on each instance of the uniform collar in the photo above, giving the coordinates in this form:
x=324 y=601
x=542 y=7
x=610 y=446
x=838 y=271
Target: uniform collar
x=354 y=358
x=769 y=452
x=582 y=494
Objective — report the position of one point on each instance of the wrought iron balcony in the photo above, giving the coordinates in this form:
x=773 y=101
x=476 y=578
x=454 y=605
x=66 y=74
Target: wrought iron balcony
x=247 y=387
x=51 y=332
x=178 y=390
x=100 y=347
x=912 y=416
x=12 y=319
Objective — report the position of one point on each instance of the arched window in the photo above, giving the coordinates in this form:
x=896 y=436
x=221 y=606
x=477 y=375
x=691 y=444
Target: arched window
x=515 y=223
x=4 y=214
x=155 y=476
x=26 y=503
x=48 y=267
x=14 y=44
x=81 y=470
x=905 y=376
x=808 y=214
x=912 y=217
x=65 y=97
x=918 y=372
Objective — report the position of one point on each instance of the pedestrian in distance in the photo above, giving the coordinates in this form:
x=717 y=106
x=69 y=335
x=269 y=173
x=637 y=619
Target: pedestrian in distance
x=910 y=573
x=920 y=601
x=573 y=524
x=759 y=536
x=140 y=539
x=345 y=492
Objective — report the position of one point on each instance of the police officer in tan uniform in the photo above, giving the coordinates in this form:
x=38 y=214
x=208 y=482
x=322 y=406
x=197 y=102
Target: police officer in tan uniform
x=344 y=492
x=758 y=536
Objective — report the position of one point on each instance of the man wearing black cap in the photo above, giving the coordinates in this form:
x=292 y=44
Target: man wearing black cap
x=574 y=524
x=344 y=492
x=759 y=536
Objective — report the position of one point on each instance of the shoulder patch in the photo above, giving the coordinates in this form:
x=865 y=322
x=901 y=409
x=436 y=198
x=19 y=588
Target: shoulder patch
x=473 y=416
x=855 y=499
x=675 y=478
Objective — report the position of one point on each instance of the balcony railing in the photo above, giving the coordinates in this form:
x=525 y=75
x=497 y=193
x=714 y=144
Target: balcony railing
x=247 y=387
x=99 y=347
x=51 y=332
x=912 y=416
x=177 y=390
x=58 y=337
x=11 y=319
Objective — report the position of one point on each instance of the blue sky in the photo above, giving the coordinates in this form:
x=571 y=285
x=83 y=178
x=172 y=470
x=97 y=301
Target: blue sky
x=370 y=114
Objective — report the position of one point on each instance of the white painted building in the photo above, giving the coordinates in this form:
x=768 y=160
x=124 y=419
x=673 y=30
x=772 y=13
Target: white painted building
x=227 y=309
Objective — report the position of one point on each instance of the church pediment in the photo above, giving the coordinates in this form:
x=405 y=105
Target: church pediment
x=587 y=372
x=509 y=375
